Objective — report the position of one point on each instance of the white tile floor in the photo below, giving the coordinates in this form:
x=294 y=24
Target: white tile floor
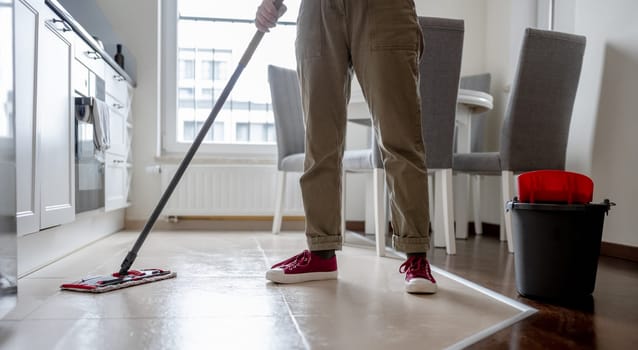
x=220 y=300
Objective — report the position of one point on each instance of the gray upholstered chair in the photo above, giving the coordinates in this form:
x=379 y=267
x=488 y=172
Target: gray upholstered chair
x=286 y=103
x=536 y=126
x=440 y=69
x=477 y=82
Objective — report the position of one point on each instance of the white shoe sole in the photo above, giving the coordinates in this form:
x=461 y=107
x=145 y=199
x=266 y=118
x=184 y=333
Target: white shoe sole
x=278 y=276
x=420 y=286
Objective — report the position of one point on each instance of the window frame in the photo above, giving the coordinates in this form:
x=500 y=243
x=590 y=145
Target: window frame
x=169 y=91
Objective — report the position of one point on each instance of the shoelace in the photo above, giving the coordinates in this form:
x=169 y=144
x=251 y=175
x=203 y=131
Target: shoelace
x=298 y=260
x=419 y=266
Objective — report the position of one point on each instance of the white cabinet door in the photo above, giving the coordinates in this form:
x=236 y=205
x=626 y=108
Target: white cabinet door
x=118 y=130
x=27 y=184
x=116 y=184
x=55 y=123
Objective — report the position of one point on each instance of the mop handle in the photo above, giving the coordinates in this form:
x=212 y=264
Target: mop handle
x=243 y=62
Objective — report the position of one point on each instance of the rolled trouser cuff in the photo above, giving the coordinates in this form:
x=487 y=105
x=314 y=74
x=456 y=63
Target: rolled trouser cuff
x=325 y=243
x=411 y=244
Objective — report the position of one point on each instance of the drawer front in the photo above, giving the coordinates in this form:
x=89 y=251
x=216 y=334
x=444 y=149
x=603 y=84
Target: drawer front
x=116 y=85
x=88 y=56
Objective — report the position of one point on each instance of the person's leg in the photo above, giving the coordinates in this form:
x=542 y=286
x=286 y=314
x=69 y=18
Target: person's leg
x=323 y=66
x=387 y=44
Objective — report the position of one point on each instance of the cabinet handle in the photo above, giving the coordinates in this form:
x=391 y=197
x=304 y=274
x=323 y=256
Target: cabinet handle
x=118 y=161
x=94 y=55
x=65 y=26
x=118 y=106
x=119 y=77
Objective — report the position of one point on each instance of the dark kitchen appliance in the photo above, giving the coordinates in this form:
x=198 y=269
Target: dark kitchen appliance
x=89 y=163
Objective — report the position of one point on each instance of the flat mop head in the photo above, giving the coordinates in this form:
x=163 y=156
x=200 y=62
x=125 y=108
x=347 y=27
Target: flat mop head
x=101 y=284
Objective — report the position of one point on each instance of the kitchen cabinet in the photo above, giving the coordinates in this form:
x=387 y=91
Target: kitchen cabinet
x=88 y=56
x=118 y=126
x=52 y=60
x=44 y=129
x=56 y=61
x=27 y=184
x=55 y=125
x=8 y=238
x=117 y=181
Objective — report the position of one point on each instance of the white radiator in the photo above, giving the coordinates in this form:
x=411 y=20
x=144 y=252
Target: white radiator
x=229 y=190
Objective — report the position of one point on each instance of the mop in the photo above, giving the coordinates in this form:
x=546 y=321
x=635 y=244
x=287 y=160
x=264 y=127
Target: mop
x=127 y=277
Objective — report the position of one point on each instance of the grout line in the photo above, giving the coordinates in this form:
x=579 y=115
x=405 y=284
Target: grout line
x=294 y=321
x=292 y=317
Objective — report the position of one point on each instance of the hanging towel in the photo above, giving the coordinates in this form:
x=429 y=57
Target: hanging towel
x=101 y=137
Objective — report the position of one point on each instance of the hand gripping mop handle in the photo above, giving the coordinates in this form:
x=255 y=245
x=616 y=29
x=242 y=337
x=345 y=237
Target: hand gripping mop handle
x=243 y=62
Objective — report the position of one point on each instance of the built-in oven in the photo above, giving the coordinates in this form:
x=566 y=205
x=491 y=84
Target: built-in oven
x=89 y=162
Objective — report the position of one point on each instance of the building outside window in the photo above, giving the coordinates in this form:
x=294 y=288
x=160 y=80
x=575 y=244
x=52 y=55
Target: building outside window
x=211 y=37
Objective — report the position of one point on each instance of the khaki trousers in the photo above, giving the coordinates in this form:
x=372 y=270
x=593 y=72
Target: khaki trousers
x=381 y=42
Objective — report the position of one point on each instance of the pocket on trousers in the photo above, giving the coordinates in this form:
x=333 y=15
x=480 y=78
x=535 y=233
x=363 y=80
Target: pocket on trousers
x=393 y=25
x=309 y=41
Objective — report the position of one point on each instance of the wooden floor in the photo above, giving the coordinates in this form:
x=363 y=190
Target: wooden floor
x=607 y=320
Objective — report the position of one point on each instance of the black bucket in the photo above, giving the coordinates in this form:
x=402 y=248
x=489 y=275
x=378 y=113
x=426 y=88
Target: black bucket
x=556 y=248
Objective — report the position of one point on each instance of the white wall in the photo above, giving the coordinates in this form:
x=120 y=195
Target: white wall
x=603 y=139
x=137 y=23
x=473 y=12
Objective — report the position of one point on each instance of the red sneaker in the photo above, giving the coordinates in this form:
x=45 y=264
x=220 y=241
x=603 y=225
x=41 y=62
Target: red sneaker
x=418 y=277
x=302 y=268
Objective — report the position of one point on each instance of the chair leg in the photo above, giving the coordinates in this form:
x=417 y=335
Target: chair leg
x=476 y=204
x=380 y=212
x=279 y=201
x=431 y=207
x=507 y=182
x=447 y=207
x=438 y=224
x=462 y=187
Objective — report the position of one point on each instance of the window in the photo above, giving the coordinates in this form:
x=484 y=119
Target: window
x=207 y=93
x=186 y=64
x=207 y=70
x=255 y=132
x=191 y=129
x=242 y=132
x=206 y=41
